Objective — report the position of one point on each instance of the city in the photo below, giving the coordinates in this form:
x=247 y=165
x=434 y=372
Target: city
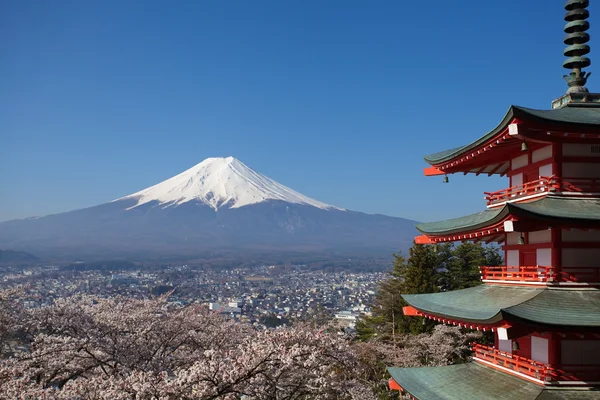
x=265 y=295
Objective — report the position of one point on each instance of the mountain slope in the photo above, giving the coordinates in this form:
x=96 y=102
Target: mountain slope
x=218 y=206
x=221 y=182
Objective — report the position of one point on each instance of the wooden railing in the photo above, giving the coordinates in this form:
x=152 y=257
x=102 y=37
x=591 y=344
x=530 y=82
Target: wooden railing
x=542 y=186
x=537 y=273
x=536 y=369
x=513 y=362
x=517 y=274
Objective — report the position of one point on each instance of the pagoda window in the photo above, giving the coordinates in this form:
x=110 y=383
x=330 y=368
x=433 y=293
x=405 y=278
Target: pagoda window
x=539 y=349
x=512 y=238
x=574 y=170
x=505 y=345
x=541 y=154
x=543 y=257
x=580 y=150
x=536 y=237
x=516 y=180
x=576 y=235
x=520 y=161
x=580 y=352
x=581 y=264
x=512 y=258
x=545 y=170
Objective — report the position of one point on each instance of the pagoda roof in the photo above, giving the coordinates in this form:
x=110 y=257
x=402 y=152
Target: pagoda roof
x=551 y=208
x=474 y=381
x=576 y=117
x=491 y=304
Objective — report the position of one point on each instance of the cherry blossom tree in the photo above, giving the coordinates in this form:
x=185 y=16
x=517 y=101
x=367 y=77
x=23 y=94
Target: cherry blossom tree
x=94 y=348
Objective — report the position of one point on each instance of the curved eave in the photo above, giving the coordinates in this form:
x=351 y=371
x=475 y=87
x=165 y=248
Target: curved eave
x=491 y=304
x=473 y=381
x=448 y=155
x=469 y=381
x=479 y=305
x=464 y=224
x=550 y=209
x=580 y=119
x=560 y=308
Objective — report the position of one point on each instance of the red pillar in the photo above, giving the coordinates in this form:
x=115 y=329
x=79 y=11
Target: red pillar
x=554 y=349
x=557 y=249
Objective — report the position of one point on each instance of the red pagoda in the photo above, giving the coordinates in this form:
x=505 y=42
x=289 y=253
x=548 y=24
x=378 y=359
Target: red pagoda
x=543 y=305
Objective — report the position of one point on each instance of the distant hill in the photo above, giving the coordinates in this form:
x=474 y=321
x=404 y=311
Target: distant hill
x=218 y=207
x=16 y=256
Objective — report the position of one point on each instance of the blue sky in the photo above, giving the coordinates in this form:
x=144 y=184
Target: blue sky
x=338 y=99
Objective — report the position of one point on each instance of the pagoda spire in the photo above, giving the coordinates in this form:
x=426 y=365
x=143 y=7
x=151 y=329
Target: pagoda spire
x=576 y=39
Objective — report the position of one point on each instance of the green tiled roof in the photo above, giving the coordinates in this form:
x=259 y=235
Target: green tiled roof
x=463 y=381
x=575 y=116
x=549 y=207
x=482 y=303
x=469 y=222
x=561 y=207
x=472 y=381
x=489 y=304
x=563 y=307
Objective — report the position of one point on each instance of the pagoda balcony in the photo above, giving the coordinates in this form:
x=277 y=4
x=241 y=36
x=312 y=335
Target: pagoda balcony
x=535 y=370
x=542 y=187
x=540 y=275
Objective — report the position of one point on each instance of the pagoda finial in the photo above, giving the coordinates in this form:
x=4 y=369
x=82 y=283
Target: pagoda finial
x=576 y=40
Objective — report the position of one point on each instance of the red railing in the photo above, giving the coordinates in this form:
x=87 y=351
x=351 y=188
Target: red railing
x=542 y=186
x=539 y=186
x=536 y=369
x=581 y=185
x=576 y=373
x=539 y=273
x=517 y=274
x=513 y=362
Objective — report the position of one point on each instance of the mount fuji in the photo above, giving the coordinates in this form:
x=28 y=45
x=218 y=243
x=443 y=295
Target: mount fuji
x=220 y=206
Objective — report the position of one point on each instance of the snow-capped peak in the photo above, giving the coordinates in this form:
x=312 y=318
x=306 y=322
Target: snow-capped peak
x=221 y=182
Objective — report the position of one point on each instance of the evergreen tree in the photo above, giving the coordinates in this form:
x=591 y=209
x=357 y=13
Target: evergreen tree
x=462 y=269
x=417 y=274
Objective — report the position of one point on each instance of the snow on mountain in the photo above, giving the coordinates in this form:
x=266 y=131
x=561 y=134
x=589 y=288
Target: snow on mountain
x=221 y=182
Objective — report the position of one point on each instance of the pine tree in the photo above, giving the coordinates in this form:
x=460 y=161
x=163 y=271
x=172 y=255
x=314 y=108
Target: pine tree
x=462 y=269
x=417 y=274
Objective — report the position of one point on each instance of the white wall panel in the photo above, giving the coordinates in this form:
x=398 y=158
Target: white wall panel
x=539 y=349
x=519 y=162
x=512 y=257
x=544 y=236
x=512 y=237
x=546 y=170
x=516 y=180
x=505 y=345
x=544 y=257
x=541 y=154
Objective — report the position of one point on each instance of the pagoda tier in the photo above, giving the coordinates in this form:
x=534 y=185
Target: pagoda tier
x=500 y=306
x=550 y=211
x=547 y=336
x=473 y=381
x=570 y=128
x=550 y=241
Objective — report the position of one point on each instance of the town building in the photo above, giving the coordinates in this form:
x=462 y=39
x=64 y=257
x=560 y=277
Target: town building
x=543 y=305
